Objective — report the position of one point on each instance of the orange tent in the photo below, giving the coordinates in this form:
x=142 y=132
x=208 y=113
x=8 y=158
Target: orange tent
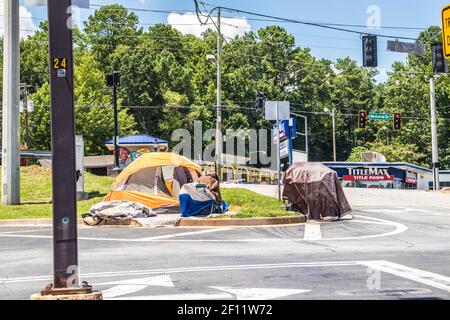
x=154 y=180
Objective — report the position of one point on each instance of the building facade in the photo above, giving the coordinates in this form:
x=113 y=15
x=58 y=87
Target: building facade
x=386 y=175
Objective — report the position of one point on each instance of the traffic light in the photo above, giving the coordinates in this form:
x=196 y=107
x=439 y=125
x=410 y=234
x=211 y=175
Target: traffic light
x=370 y=51
x=362 y=119
x=439 y=62
x=397 y=122
x=260 y=100
x=113 y=79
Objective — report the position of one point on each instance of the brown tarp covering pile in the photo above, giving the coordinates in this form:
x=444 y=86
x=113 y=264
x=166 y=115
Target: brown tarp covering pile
x=314 y=190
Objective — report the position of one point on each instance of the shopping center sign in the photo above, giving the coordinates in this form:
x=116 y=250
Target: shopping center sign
x=368 y=174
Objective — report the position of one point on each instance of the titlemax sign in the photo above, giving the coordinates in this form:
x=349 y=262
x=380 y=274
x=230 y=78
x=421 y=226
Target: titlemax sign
x=369 y=174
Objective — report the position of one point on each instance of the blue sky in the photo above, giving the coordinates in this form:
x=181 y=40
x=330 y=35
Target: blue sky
x=324 y=43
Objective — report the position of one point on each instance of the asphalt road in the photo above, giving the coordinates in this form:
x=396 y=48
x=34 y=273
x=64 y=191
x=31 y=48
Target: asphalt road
x=383 y=253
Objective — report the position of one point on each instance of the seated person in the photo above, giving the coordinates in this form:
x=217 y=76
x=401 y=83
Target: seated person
x=211 y=180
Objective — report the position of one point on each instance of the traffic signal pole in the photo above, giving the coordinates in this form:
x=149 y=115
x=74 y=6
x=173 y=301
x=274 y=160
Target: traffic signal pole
x=434 y=136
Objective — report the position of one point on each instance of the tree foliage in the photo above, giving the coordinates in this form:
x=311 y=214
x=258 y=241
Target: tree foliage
x=168 y=83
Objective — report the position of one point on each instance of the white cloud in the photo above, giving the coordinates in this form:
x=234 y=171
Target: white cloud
x=27 y=25
x=188 y=24
x=382 y=75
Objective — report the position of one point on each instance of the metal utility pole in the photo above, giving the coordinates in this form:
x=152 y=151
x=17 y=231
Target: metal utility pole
x=434 y=136
x=333 y=115
x=113 y=80
x=307 y=138
x=219 y=144
x=11 y=119
x=25 y=92
x=278 y=153
x=116 y=126
x=65 y=246
x=306 y=134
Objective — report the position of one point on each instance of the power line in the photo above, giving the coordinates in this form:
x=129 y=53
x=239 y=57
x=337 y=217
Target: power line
x=275 y=19
x=94 y=6
x=233 y=10
x=333 y=24
x=295 y=112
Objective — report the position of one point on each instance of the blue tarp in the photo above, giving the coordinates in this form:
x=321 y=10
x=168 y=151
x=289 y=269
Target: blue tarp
x=195 y=200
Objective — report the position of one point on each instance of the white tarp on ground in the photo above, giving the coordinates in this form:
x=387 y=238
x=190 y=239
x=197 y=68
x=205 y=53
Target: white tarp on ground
x=121 y=210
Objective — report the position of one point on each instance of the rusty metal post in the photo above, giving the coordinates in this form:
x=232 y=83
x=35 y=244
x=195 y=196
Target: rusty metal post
x=65 y=247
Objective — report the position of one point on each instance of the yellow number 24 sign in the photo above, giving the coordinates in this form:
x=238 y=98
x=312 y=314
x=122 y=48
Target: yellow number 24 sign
x=60 y=63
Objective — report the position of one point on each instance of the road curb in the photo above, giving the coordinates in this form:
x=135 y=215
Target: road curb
x=182 y=222
x=234 y=222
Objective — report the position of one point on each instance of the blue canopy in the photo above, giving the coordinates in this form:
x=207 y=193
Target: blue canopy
x=139 y=139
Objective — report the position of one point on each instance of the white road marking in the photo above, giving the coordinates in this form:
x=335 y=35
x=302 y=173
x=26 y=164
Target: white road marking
x=160 y=281
x=229 y=293
x=122 y=290
x=43 y=226
x=260 y=293
x=25 y=225
x=182 y=234
x=312 y=232
x=125 y=287
x=24 y=236
x=23 y=231
x=182 y=296
x=417 y=275
x=371 y=222
x=399 y=228
x=421 y=276
x=192 y=269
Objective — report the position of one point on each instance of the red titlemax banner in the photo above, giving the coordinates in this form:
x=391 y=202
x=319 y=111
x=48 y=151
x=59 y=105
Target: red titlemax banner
x=410 y=181
x=368 y=178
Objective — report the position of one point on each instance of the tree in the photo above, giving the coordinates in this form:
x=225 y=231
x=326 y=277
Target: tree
x=168 y=83
x=34 y=58
x=150 y=71
x=394 y=153
x=93 y=118
x=109 y=27
x=407 y=92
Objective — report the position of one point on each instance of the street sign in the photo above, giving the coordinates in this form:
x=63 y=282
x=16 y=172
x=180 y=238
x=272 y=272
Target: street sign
x=284 y=149
x=292 y=123
x=405 y=47
x=281 y=135
x=379 y=116
x=446 y=30
x=271 y=110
